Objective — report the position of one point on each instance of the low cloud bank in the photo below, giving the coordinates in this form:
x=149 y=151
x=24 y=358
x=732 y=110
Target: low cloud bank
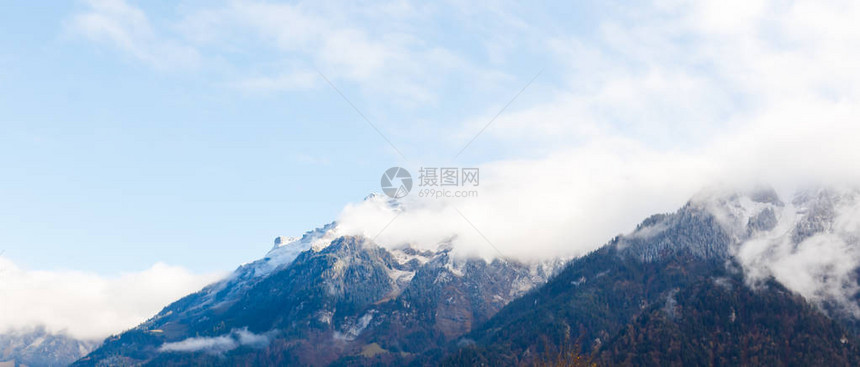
x=87 y=305
x=218 y=344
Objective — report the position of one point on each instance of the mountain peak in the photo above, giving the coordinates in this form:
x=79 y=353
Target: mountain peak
x=710 y=225
x=382 y=199
x=284 y=241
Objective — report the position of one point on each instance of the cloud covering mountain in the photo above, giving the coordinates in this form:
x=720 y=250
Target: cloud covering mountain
x=666 y=99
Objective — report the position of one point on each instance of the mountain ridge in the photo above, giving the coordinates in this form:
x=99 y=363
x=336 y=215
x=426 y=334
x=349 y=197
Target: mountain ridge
x=39 y=347
x=685 y=278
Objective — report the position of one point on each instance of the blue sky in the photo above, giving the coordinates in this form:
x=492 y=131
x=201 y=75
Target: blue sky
x=194 y=132
x=115 y=159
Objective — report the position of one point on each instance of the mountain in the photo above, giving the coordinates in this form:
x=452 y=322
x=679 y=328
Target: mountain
x=38 y=347
x=326 y=299
x=731 y=278
x=701 y=286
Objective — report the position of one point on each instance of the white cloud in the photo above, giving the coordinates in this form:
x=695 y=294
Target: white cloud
x=218 y=344
x=821 y=267
x=373 y=45
x=128 y=28
x=346 y=44
x=565 y=204
x=655 y=109
x=87 y=305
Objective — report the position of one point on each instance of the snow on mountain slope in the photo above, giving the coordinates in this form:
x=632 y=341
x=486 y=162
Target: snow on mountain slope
x=284 y=253
x=810 y=244
x=327 y=295
x=677 y=289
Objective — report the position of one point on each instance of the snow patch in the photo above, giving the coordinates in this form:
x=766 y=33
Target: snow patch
x=286 y=252
x=404 y=258
x=400 y=277
x=354 y=330
x=455 y=266
x=735 y=212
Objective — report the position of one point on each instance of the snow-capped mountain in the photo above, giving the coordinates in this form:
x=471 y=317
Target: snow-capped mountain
x=810 y=243
x=38 y=347
x=736 y=278
x=727 y=271
x=322 y=298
